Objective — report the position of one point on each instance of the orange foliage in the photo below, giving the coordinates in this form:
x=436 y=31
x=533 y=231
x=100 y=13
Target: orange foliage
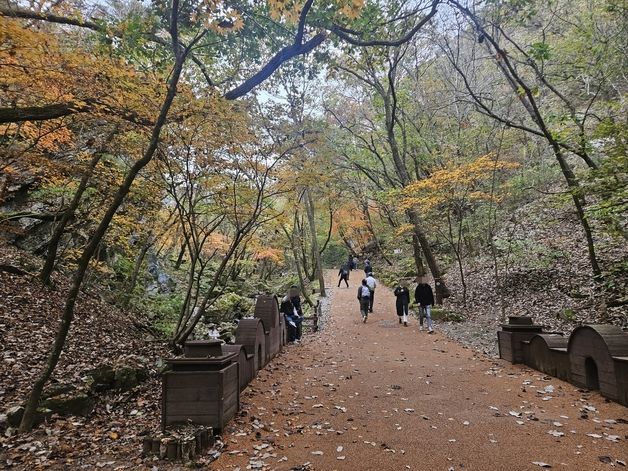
x=455 y=183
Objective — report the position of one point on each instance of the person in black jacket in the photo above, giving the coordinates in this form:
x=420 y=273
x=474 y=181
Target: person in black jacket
x=403 y=300
x=291 y=308
x=343 y=273
x=289 y=312
x=368 y=269
x=424 y=297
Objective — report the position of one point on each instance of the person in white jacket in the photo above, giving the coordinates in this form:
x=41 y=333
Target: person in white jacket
x=371 y=282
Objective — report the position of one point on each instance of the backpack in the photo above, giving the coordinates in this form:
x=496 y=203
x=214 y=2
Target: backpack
x=365 y=292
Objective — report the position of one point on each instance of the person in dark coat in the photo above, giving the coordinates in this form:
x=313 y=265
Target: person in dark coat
x=288 y=310
x=368 y=269
x=364 y=297
x=293 y=312
x=403 y=300
x=343 y=273
x=424 y=297
x=349 y=263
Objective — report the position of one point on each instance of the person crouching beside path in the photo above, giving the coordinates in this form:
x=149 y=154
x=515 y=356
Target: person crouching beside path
x=364 y=295
x=344 y=275
x=371 y=282
x=424 y=297
x=403 y=300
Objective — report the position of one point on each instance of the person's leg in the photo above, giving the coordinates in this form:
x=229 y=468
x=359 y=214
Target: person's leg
x=291 y=330
x=339 y=282
x=299 y=329
x=405 y=314
x=428 y=314
x=364 y=308
x=421 y=316
x=371 y=299
x=347 y=282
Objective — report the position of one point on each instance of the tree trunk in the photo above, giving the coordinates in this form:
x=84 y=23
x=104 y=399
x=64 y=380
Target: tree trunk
x=136 y=270
x=441 y=289
x=309 y=206
x=53 y=244
x=179 y=261
x=68 y=312
x=298 y=267
x=418 y=259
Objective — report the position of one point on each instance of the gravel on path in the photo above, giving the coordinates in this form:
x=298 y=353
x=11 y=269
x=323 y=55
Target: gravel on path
x=380 y=396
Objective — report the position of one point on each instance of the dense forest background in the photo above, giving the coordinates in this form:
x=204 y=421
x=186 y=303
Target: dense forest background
x=163 y=163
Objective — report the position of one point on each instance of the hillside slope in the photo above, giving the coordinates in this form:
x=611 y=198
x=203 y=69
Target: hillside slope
x=543 y=272
x=101 y=335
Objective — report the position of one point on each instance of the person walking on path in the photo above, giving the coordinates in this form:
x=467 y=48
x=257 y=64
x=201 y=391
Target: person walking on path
x=343 y=273
x=424 y=297
x=367 y=267
x=403 y=300
x=371 y=282
x=364 y=295
x=355 y=263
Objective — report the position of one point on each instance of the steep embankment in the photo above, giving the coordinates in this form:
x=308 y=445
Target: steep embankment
x=101 y=336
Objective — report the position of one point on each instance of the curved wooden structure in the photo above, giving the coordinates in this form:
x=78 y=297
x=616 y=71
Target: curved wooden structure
x=593 y=350
x=204 y=387
x=594 y=357
x=267 y=310
x=246 y=364
x=548 y=353
x=251 y=334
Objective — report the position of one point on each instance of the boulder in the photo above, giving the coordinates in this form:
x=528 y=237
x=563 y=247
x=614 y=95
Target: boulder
x=127 y=378
x=70 y=404
x=106 y=378
x=14 y=415
x=57 y=389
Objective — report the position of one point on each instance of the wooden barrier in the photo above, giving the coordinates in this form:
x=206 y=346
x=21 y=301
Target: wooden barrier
x=513 y=334
x=204 y=387
x=311 y=323
x=548 y=353
x=595 y=356
x=246 y=363
x=203 y=391
x=251 y=334
x=267 y=310
x=592 y=351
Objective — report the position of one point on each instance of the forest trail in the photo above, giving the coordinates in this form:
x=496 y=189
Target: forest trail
x=395 y=398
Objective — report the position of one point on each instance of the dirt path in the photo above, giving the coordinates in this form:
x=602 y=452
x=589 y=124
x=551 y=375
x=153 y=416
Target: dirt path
x=379 y=396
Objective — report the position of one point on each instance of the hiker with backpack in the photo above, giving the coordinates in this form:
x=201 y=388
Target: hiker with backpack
x=343 y=273
x=364 y=296
x=424 y=297
x=371 y=282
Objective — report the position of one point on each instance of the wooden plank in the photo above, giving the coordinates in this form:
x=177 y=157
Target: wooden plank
x=194 y=408
x=192 y=394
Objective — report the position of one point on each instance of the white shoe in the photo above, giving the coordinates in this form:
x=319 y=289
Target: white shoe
x=430 y=331
x=421 y=328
